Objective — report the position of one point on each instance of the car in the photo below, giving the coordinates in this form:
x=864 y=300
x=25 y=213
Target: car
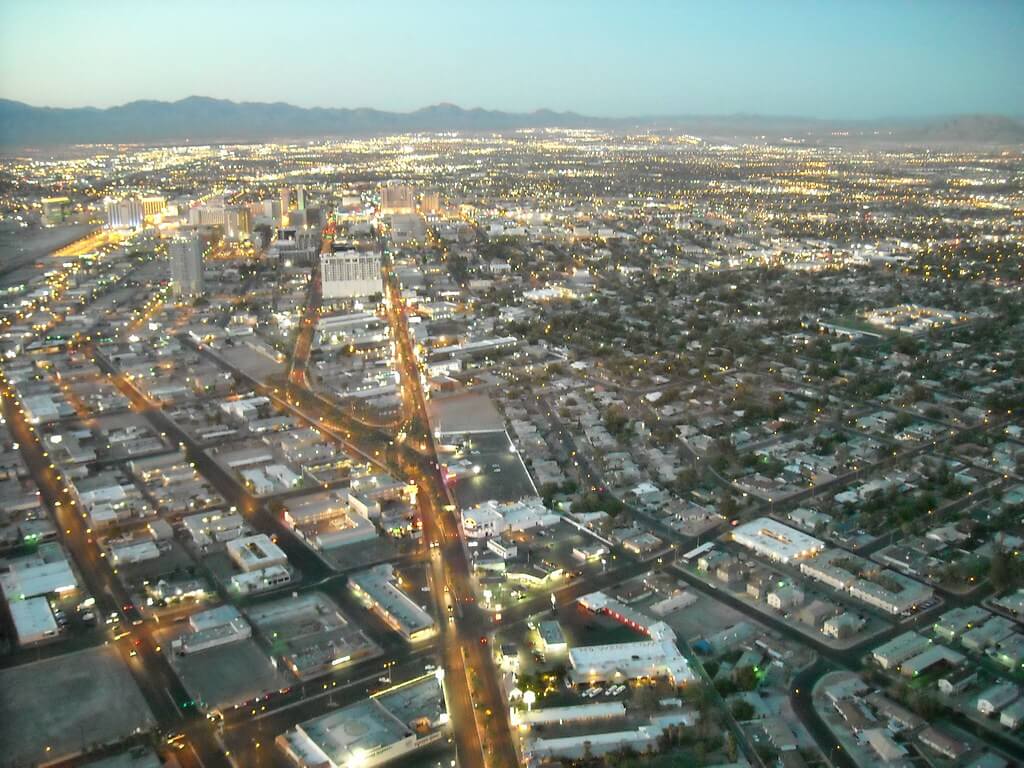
x=89 y=618
x=483 y=639
x=176 y=741
x=131 y=614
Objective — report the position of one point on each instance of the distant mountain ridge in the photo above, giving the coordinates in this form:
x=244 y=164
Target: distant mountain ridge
x=200 y=119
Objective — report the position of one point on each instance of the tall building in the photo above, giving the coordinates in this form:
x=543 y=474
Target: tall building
x=397 y=197
x=315 y=217
x=123 y=214
x=55 y=210
x=286 y=203
x=206 y=216
x=430 y=202
x=349 y=274
x=267 y=209
x=152 y=205
x=300 y=197
x=237 y=223
x=186 y=252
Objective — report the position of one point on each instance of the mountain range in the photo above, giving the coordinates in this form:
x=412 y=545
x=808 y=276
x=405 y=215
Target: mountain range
x=199 y=119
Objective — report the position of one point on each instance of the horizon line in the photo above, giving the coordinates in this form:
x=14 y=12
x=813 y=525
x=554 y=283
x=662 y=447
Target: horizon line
x=567 y=112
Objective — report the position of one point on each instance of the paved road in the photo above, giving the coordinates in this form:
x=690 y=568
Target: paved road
x=479 y=711
x=152 y=672
x=475 y=693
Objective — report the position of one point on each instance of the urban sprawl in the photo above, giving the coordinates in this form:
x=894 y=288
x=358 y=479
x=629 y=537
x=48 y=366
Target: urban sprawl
x=546 y=448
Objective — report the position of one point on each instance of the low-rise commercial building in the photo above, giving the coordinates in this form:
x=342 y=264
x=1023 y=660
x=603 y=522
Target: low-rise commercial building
x=892 y=592
x=254 y=553
x=211 y=629
x=943 y=743
x=375 y=587
x=997 y=697
x=597 y=744
x=658 y=657
x=776 y=541
x=388 y=725
x=934 y=656
x=33 y=620
x=492 y=518
x=260 y=580
x=892 y=654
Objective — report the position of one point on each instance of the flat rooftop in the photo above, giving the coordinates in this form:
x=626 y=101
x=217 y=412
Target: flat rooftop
x=228 y=674
x=51 y=703
x=776 y=540
x=309 y=632
x=463 y=412
x=378 y=585
x=502 y=477
x=345 y=735
x=357 y=728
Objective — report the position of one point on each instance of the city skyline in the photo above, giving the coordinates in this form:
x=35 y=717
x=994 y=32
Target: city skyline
x=550 y=384
x=871 y=61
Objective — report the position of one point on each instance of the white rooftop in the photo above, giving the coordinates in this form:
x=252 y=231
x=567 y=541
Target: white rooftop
x=775 y=540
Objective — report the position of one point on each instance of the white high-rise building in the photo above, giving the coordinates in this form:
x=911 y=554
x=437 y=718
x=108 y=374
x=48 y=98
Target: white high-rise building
x=349 y=274
x=123 y=214
x=186 y=253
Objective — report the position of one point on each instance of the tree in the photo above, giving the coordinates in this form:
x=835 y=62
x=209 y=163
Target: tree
x=746 y=678
x=547 y=493
x=926 y=704
x=730 y=747
x=685 y=481
x=727 y=506
x=742 y=710
x=615 y=420
x=1004 y=569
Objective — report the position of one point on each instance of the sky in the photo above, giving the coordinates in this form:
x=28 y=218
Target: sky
x=856 y=59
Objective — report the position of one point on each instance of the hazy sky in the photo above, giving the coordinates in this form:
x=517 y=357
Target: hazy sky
x=847 y=58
